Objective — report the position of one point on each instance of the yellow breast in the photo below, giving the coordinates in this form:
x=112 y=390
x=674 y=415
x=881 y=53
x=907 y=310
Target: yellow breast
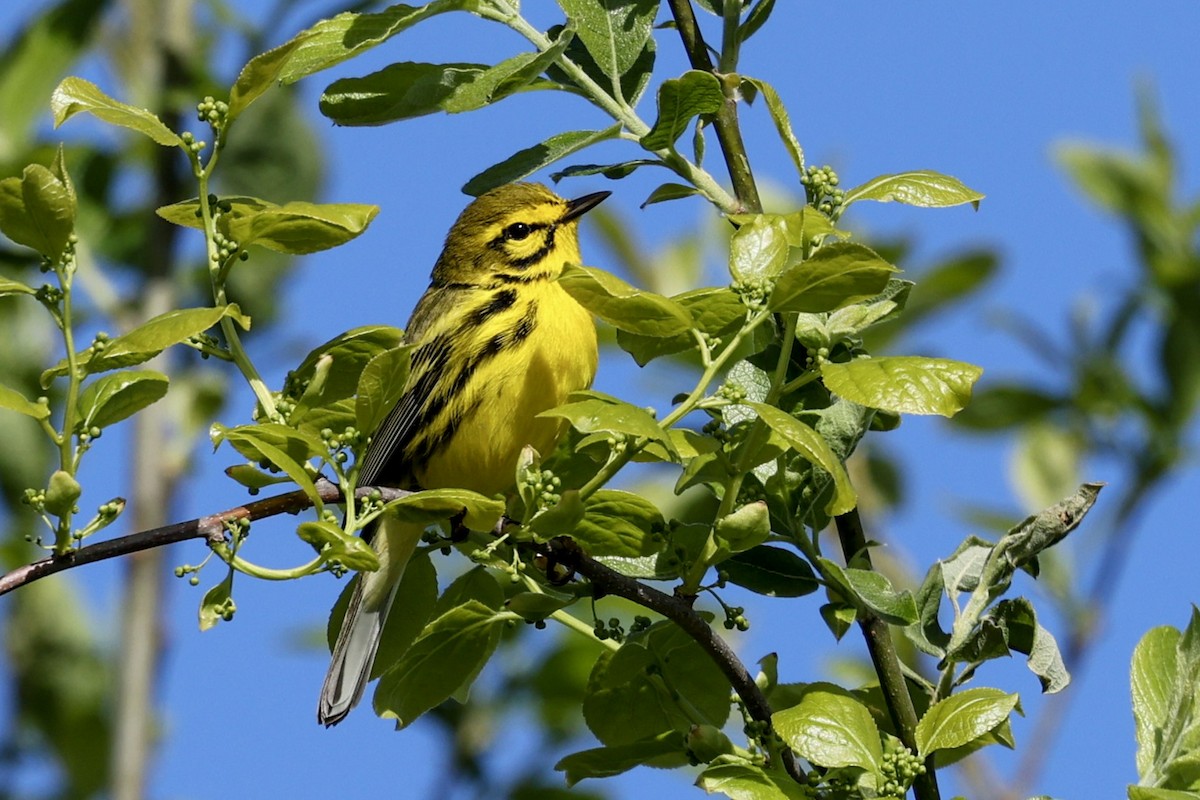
x=498 y=408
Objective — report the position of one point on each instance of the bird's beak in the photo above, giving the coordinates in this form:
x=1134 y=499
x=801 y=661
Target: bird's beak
x=581 y=205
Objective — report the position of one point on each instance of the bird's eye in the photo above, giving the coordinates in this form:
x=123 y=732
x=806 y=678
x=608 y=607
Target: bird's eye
x=516 y=232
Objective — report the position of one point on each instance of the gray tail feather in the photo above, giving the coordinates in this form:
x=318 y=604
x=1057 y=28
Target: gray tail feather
x=353 y=655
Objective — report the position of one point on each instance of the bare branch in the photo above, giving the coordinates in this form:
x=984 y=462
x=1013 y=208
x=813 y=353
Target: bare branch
x=211 y=528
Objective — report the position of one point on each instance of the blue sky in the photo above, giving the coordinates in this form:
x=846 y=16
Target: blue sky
x=980 y=91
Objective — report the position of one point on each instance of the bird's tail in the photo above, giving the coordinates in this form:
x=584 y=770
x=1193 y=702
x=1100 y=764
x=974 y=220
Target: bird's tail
x=354 y=653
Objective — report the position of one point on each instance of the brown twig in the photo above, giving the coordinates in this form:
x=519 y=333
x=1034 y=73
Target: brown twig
x=883 y=654
x=211 y=527
x=607 y=581
x=725 y=121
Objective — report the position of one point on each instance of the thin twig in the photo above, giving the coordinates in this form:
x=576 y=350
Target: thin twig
x=211 y=527
x=607 y=581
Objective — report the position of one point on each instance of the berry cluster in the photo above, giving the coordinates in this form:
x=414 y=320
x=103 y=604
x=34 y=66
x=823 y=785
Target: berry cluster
x=545 y=486
x=350 y=438
x=616 y=631
x=820 y=187
x=735 y=617
x=212 y=111
x=193 y=144
x=900 y=767
x=753 y=292
x=731 y=392
x=815 y=358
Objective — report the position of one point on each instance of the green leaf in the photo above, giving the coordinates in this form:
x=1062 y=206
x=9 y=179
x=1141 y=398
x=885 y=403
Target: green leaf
x=742 y=781
x=669 y=191
x=872 y=590
x=679 y=101
x=623 y=306
x=285 y=448
x=604 y=762
x=1153 y=679
x=75 y=95
x=295 y=228
x=962 y=718
x=528 y=161
x=1165 y=681
x=412 y=89
x=477 y=584
x=619 y=523
x=1023 y=633
x=779 y=115
x=380 y=387
x=416 y=595
x=112 y=398
x=831 y=728
x=217 y=604
x=350 y=352
x=771 y=571
x=811 y=446
x=261 y=73
x=921 y=188
x=332 y=41
x=432 y=505
x=627 y=696
x=595 y=412
x=254 y=478
x=509 y=76
x=38 y=210
x=715 y=311
x=759 y=247
x=611 y=171
x=904 y=384
x=149 y=339
x=450 y=651
x=15 y=401
x=614 y=33
x=836 y=275
x=632 y=83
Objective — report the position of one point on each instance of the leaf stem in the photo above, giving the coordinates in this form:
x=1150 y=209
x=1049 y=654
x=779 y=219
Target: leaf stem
x=233 y=341
x=68 y=451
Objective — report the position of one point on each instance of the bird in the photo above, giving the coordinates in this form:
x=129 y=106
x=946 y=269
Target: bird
x=495 y=341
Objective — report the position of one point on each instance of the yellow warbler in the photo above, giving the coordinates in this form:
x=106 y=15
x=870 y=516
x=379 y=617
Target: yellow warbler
x=496 y=342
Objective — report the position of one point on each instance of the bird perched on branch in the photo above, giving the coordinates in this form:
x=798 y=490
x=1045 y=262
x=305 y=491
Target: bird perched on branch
x=496 y=341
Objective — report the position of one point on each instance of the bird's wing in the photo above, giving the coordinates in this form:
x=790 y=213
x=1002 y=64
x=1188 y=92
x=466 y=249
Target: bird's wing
x=428 y=330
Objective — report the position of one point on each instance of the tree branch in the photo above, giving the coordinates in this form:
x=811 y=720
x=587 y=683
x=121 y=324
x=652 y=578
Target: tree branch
x=565 y=551
x=607 y=581
x=211 y=528
x=883 y=655
x=725 y=121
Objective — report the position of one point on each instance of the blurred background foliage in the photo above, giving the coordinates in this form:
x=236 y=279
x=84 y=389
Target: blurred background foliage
x=1124 y=389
